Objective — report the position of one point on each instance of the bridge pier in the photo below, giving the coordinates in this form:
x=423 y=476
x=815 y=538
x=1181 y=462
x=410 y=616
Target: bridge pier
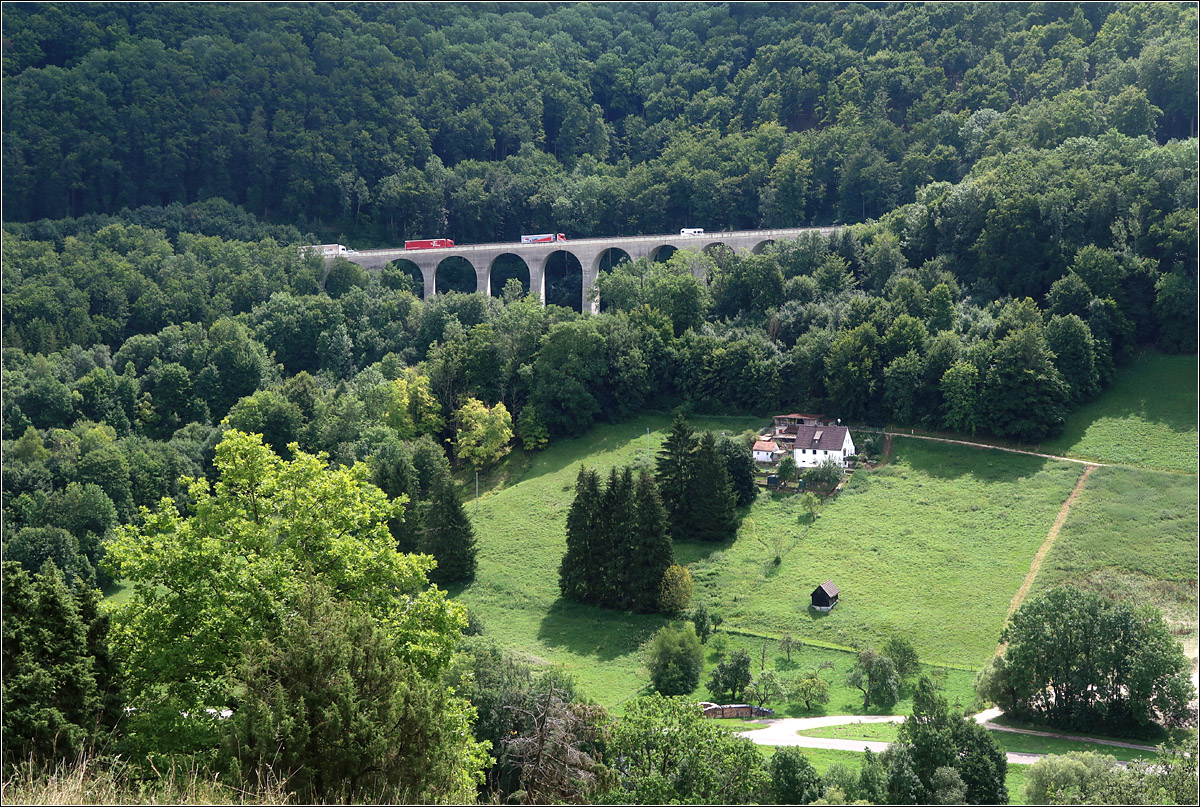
x=429 y=278
x=537 y=279
x=483 y=278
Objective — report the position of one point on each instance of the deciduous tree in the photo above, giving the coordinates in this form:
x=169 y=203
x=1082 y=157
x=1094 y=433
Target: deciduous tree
x=484 y=434
x=207 y=582
x=875 y=676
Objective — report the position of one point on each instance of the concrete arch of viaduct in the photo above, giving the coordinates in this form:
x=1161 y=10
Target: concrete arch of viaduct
x=588 y=252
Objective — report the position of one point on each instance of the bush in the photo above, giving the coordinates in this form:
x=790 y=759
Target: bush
x=731 y=677
x=1060 y=774
x=825 y=475
x=327 y=700
x=793 y=778
x=676 y=659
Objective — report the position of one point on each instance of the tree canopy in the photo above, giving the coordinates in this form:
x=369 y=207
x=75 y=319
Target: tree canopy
x=1077 y=660
x=207 y=582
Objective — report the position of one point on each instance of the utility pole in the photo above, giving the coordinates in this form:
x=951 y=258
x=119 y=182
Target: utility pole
x=477 y=493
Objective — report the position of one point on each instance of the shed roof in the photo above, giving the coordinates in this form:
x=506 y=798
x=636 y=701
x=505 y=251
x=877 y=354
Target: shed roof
x=829 y=588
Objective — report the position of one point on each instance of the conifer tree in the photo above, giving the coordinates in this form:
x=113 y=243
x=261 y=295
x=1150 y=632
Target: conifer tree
x=650 y=553
x=51 y=703
x=610 y=552
x=449 y=537
x=709 y=499
x=574 y=578
x=673 y=475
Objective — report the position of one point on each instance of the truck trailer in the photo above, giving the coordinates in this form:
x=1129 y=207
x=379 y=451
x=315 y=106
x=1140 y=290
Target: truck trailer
x=429 y=243
x=327 y=250
x=543 y=238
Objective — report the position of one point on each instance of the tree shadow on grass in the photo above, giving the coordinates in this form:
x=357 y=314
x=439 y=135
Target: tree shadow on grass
x=574 y=450
x=948 y=461
x=593 y=632
x=688 y=552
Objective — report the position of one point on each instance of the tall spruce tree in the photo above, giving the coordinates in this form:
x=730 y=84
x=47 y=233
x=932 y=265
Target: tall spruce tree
x=709 y=499
x=52 y=704
x=650 y=553
x=449 y=537
x=574 y=575
x=610 y=552
x=672 y=473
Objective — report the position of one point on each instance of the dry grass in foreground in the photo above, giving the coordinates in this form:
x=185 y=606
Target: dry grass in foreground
x=95 y=781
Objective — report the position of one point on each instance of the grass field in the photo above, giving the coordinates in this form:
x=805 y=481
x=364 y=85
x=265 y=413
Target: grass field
x=939 y=530
x=1133 y=535
x=931 y=546
x=1146 y=419
x=521 y=534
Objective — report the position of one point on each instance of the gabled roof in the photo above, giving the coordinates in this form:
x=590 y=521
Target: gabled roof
x=826 y=438
x=766 y=445
x=829 y=588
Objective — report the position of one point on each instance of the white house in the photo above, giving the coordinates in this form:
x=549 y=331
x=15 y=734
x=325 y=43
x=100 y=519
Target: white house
x=815 y=444
x=766 y=451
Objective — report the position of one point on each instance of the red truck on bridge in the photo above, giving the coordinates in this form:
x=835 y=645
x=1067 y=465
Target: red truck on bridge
x=429 y=243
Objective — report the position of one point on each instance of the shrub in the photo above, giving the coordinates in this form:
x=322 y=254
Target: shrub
x=676 y=659
x=676 y=590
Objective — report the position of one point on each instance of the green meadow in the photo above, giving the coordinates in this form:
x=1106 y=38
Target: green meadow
x=1133 y=535
x=521 y=533
x=940 y=532
x=1147 y=418
x=932 y=546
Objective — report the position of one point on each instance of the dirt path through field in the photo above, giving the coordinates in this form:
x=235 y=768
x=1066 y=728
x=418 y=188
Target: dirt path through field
x=1036 y=565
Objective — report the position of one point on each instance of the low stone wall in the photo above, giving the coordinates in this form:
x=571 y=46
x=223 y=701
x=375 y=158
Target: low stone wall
x=742 y=710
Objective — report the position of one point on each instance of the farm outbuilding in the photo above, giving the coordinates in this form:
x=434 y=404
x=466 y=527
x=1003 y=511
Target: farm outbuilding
x=825 y=596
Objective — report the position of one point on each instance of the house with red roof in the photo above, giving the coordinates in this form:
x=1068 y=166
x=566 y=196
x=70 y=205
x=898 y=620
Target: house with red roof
x=767 y=451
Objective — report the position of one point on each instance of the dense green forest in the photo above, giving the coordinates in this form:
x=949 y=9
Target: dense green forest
x=1018 y=183
x=481 y=121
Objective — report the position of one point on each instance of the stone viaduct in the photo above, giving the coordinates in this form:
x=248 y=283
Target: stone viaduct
x=588 y=251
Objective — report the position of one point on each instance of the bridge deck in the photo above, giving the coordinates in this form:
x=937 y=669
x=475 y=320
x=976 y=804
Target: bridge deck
x=612 y=241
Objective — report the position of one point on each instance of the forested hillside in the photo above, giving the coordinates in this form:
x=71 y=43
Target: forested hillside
x=391 y=120
x=1018 y=186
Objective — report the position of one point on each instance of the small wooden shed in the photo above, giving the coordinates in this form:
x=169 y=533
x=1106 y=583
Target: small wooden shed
x=825 y=596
